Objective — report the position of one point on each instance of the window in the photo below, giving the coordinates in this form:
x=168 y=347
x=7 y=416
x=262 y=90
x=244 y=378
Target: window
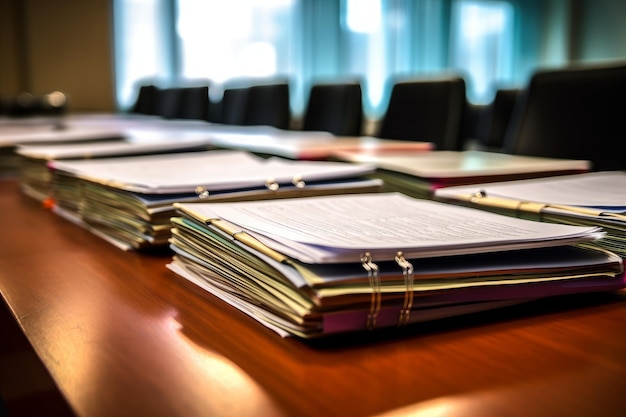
x=482 y=39
x=170 y=41
x=229 y=39
x=139 y=36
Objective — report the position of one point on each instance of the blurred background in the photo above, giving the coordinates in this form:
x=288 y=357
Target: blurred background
x=99 y=52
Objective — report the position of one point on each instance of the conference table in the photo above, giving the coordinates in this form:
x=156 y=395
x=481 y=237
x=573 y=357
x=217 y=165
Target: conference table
x=90 y=330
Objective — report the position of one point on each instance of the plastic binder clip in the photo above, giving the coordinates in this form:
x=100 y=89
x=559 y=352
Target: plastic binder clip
x=407 y=271
x=372 y=274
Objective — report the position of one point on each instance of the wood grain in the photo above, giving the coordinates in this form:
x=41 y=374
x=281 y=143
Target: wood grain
x=119 y=334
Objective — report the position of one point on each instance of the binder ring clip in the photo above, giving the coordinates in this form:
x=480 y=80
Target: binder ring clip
x=298 y=181
x=478 y=195
x=271 y=184
x=407 y=272
x=372 y=274
x=202 y=192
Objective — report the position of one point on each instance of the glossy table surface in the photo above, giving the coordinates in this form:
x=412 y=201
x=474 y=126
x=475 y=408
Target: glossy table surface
x=119 y=334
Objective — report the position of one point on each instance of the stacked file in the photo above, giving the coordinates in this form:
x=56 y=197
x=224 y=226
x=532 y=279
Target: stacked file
x=318 y=266
x=14 y=133
x=129 y=200
x=309 y=145
x=35 y=177
x=591 y=199
x=419 y=174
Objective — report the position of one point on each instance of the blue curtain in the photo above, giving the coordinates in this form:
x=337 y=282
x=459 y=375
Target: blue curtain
x=403 y=38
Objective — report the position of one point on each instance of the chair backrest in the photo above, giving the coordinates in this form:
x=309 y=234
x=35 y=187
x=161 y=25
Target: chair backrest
x=146 y=100
x=268 y=105
x=194 y=103
x=335 y=108
x=168 y=102
x=233 y=105
x=498 y=118
x=576 y=113
x=429 y=110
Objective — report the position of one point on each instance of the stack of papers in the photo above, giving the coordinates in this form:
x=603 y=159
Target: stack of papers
x=309 y=145
x=319 y=266
x=591 y=199
x=129 y=200
x=420 y=174
x=35 y=178
x=14 y=135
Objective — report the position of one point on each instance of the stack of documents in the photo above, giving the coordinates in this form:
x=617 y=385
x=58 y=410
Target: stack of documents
x=591 y=199
x=35 y=177
x=128 y=200
x=318 y=266
x=420 y=174
x=309 y=145
x=14 y=135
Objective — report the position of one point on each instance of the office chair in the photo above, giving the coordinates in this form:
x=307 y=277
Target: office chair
x=194 y=103
x=233 y=106
x=145 y=103
x=168 y=102
x=429 y=110
x=498 y=118
x=335 y=108
x=575 y=113
x=268 y=105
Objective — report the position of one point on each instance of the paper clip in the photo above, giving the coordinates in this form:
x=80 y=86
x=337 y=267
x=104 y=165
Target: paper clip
x=407 y=271
x=372 y=274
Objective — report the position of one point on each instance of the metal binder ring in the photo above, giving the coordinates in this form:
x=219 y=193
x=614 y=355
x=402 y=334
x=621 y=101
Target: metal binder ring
x=374 y=279
x=407 y=271
x=202 y=192
x=478 y=195
x=271 y=184
x=298 y=181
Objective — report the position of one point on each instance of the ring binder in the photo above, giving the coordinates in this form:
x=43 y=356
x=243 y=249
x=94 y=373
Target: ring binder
x=298 y=181
x=478 y=195
x=374 y=279
x=271 y=184
x=202 y=192
x=407 y=271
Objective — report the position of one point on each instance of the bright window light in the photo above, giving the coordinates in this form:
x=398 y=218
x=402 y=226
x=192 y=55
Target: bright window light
x=483 y=45
x=363 y=16
x=221 y=40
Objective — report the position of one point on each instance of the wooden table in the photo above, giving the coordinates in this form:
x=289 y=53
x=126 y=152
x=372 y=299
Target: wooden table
x=117 y=334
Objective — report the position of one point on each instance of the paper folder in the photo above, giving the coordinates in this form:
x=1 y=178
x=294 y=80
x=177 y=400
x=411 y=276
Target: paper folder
x=129 y=200
x=400 y=260
x=595 y=198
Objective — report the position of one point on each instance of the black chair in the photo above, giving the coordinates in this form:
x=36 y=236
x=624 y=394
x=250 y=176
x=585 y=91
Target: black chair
x=268 y=105
x=194 y=103
x=336 y=108
x=145 y=103
x=575 y=113
x=498 y=118
x=428 y=110
x=168 y=102
x=233 y=106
